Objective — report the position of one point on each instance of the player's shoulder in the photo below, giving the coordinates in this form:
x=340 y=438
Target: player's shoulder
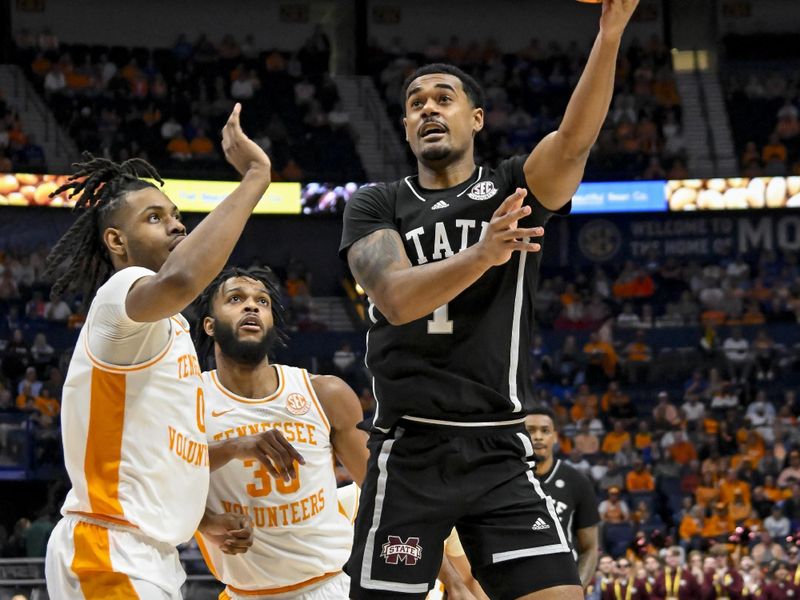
x=120 y=282
x=377 y=192
x=572 y=475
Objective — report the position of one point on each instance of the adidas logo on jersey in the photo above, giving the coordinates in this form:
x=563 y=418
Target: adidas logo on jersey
x=440 y=204
x=540 y=525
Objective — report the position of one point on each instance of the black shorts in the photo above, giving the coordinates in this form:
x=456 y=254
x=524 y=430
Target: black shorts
x=424 y=480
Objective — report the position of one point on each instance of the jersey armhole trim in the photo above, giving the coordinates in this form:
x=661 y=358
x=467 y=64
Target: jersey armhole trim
x=201 y=544
x=312 y=393
x=111 y=368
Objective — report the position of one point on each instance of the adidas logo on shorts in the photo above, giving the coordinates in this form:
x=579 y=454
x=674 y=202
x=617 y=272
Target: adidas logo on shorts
x=440 y=204
x=540 y=525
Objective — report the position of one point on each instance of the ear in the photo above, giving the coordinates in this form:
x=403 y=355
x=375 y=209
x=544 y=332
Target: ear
x=208 y=326
x=114 y=239
x=477 y=120
x=405 y=131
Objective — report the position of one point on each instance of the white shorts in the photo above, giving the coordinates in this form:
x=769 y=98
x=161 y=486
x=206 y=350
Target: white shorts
x=336 y=588
x=89 y=561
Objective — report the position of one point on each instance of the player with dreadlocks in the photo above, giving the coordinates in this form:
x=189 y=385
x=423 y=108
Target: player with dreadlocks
x=301 y=537
x=133 y=412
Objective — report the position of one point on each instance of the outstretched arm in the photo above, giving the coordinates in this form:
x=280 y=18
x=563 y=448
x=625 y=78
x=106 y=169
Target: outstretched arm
x=344 y=413
x=564 y=152
x=204 y=252
x=404 y=293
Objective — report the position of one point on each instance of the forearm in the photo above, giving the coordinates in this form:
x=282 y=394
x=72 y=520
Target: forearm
x=412 y=293
x=587 y=562
x=205 y=251
x=222 y=452
x=588 y=106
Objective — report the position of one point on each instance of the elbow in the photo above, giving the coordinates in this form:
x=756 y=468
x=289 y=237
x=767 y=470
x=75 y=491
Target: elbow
x=180 y=284
x=573 y=148
x=392 y=310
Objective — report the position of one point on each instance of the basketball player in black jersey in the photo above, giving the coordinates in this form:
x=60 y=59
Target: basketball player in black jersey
x=571 y=491
x=449 y=258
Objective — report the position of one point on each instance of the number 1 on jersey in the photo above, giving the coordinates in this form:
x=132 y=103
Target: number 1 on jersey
x=440 y=322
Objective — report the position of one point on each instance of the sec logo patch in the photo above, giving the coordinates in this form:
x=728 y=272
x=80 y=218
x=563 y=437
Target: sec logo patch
x=482 y=190
x=297 y=404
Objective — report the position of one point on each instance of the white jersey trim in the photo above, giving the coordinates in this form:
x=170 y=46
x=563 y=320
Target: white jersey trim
x=369 y=548
x=514 y=358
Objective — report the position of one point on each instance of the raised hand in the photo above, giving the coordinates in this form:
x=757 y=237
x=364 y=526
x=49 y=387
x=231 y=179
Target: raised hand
x=615 y=16
x=240 y=151
x=503 y=237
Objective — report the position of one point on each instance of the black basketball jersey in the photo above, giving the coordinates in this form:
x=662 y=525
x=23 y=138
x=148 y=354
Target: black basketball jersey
x=467 y=361
x=573 y=496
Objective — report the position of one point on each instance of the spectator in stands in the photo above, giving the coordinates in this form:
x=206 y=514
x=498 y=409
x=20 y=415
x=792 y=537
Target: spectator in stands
x=767 y=550
x=8 y=286
x=620 y=407
x=719 y=524
x=42 y=353
x=37 y=534
x=616 y=439
x=16 y=356
x=35 y=307
x=777 y=524
x=627 y=318
x=665 y=415
x=791 y=472
x=614 y=509
x=690 y=529
x=31 y=381
x=729 y=486
x=737 y=356
x=774 y=155
x=693 y=411
x=55 y=81
x=764 y=355
x=682 y=450
x=707 y=493
x=15 y=547
x=612 y=477
x=57 y=309
x=639 y=478
x=585 y=441
x=601 y=359
x=638 y=357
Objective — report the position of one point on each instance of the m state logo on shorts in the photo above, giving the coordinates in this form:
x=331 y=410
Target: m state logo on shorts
x=396 y=551
x=297 y=404
x=483 y=190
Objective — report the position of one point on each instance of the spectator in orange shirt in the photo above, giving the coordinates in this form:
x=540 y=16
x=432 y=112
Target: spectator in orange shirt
x=730 y=485
x=643 y=437
x=773 y=492
x=739 y=510
x=691 y=527
x=614 y=509
x=638 y=357
x=591 y=400
x=719 y=523
x=201 y=146
x=578 y=409
x=601 y=357
x=178 y=148
x=639 y=478
x=615 y=440
x=707 y=492
x=46 y=404
x=682 y=450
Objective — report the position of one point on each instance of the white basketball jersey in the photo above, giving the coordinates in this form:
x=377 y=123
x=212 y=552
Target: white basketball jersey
x=134 y=439
x=301 y=535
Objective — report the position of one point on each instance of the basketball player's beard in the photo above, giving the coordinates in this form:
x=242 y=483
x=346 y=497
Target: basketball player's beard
x=246 y=353
x=436 y=153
